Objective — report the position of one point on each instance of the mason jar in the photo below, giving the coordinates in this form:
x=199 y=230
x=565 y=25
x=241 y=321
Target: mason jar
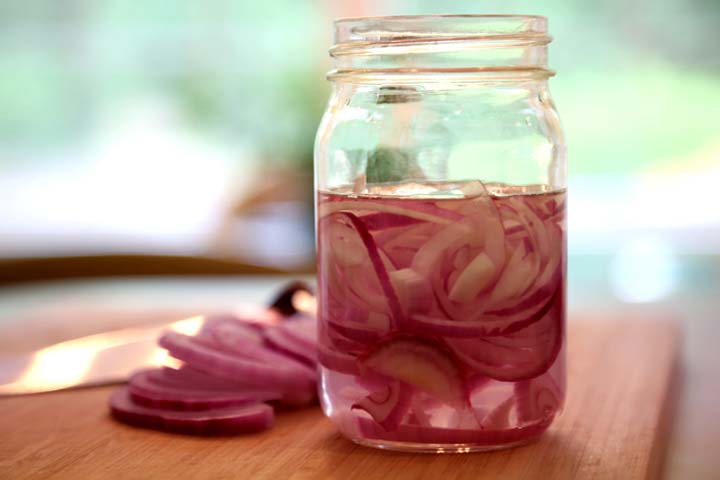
x=440 y=173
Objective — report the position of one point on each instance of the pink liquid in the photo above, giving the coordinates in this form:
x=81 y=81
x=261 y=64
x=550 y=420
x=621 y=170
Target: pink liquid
x=441 y=318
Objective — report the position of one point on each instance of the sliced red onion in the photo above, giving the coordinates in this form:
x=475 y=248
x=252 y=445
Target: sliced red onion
x=383 y=220
x=421 y=364
x=529 y=247
x=301 y=327
x=234 y=340
x=426 y=212
x=476 y=383
x=530 y=254
x=512 y=227
x=388 y=405
x=402 y=247
x=188 y=377
x=221 y=364
x=363 y=288
x=462 y=418
x=280 y=341
x=535 y=224
x=348 y=323
x=420 y=406
x=548 y=209
x=348 y=262
x=144 y=391
x=414 y=291
x=473 y=279
x=337 y=361
x=537 y=398
x=337 y=340
x=360 y=332
x=249 y=332
x=537 y=297
x=445 y=436
x=227 y=371
x=499 y=417
x=490 y=326
x=494 y=234
x=512 y=315
x=545 y=285
x=298 y=397
x=520 y=274
x=480 y=238
x=429 y=206
x=501 y=359
x=483 y=294
x=220 y=421
x=345 y=247
x=380 y=271
x=451 y=237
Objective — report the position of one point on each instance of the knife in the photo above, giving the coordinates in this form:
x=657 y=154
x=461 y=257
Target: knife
x=111 y=357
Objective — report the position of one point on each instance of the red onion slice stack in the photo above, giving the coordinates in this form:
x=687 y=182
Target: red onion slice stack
x=233 y=374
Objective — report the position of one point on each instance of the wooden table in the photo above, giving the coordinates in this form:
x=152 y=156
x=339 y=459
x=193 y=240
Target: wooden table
x=619 y=405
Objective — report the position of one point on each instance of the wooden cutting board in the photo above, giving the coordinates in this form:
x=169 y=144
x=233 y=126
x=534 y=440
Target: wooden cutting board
x=614 y=426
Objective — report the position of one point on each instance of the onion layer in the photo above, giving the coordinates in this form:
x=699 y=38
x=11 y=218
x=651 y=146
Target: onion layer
x=219 y=421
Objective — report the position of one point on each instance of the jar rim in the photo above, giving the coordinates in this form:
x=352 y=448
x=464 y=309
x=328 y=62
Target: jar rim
x=470 y=44
x=412 y=29
x=443 y=15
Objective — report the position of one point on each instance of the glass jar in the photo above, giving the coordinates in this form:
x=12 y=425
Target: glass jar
x=440 y=183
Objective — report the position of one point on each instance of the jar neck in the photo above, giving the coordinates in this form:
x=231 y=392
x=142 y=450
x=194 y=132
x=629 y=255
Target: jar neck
x=440 y=48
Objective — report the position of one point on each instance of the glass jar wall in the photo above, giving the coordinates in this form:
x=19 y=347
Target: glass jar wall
x=440 y=187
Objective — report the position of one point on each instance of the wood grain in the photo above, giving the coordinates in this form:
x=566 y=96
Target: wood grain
x=614 y=426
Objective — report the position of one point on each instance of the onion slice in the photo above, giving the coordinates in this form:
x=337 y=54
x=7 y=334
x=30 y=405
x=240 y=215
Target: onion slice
x=421 y=364
x=537 y=398
x=519 y=355
x=377 y=263
x=388 y=405
x=444 y=436
x=221 y=421
x=337 y=361
x=188 y=377
x=426 y=213
x=383 y=220
x=302 y=327
x=224 y=365
x=234 y=339
x=144 y=391
x=291 y=347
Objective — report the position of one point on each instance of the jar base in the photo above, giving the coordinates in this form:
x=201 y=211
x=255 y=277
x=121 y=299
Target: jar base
x=412 y=447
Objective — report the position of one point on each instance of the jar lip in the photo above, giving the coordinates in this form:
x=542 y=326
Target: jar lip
x=443 y=15
x=437 y=28
x=361 y=35
x=454 y=43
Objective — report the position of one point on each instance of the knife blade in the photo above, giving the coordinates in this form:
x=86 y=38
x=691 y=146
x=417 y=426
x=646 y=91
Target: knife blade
x=99 y=359
x=111 y=357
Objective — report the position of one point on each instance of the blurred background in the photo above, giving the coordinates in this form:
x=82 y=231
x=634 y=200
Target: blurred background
x=183 y=129
x=174 y=129
x=175 y=138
